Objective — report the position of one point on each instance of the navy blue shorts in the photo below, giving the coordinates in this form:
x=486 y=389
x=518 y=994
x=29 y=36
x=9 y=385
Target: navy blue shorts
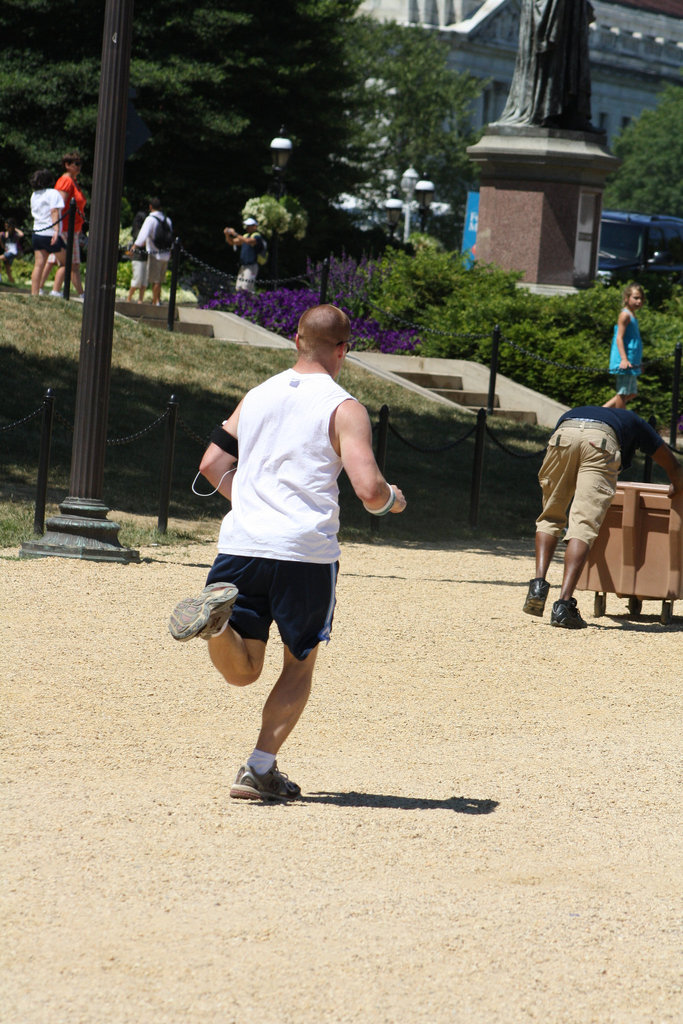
x=298 y=596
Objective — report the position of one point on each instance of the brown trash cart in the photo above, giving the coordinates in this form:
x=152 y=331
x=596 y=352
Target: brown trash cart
x=638 y=553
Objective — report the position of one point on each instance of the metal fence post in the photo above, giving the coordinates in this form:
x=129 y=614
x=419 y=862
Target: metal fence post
x=477 y=466
x=175 y=262
x=647 y=467
x=69 y=249
x=43 y=463
x=381 y=453
x=675 y=395
x=323 y=280
x=493 y=370
x=167 y=463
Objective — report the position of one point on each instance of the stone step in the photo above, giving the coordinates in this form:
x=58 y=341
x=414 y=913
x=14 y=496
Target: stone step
x=157 y=316
x=450 y=386
x=431 y=380
x=519 y=415
x=179 y=327
x=137 y=310
x=477 y=399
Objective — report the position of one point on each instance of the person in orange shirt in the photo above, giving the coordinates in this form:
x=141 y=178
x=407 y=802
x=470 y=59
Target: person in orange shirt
x=68 y=186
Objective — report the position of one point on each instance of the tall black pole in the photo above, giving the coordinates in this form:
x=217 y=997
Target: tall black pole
x=675 y=396
x=493 y=371
x=82 y=529
x=477 y=467
x=175 y=263
x=71 y=230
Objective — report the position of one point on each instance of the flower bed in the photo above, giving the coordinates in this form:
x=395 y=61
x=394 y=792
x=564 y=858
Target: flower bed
x=348 y=288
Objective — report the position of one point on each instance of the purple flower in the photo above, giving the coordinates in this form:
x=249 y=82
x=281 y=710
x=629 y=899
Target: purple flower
x=348 y=286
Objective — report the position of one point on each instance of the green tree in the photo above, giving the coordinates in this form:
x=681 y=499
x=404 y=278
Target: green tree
x=651 y=147
x=415 y=111
x=214 y=83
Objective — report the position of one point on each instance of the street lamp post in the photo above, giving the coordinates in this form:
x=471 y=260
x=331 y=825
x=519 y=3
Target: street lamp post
x=408 y=183
x=393 y=209
x=424 y=190
x=82 y=529
x=280 y=151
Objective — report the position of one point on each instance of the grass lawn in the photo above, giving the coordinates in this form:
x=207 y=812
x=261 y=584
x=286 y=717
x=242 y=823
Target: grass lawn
x=39 y=348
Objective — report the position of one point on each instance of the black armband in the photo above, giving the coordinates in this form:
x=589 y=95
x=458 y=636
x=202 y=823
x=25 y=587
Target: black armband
x=224 y=440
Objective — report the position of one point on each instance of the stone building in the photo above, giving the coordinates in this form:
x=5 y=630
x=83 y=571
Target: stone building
x=636 y=48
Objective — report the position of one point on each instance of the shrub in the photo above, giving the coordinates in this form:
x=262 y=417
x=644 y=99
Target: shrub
x=433 y=304
x=286 y=215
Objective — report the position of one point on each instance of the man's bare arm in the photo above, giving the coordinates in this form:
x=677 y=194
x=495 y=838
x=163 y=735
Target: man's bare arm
x=351 y=435
x=218 y=465
x=664 y=458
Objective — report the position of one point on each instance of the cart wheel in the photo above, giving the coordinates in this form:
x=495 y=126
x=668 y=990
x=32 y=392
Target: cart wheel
x=634 y=606
x=599 y=605
x=667 y=613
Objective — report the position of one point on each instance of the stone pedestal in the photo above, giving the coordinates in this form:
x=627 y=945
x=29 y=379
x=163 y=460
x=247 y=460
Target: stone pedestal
x=540 y=202
x=81 y=530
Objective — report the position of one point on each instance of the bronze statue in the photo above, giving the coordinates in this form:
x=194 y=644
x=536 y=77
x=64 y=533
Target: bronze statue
x=551 y=83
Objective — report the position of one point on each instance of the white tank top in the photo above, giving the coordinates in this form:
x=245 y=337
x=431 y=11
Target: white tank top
x=285 y=494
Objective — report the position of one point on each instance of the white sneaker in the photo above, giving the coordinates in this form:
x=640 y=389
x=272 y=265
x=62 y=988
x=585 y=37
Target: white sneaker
x=56 y=295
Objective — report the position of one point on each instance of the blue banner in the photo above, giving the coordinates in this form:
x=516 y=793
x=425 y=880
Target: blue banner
x=469 y=235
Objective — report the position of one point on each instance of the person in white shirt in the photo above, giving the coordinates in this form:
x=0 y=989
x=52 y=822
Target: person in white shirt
x=278 y=550
x=46 y=204
x=157 y=258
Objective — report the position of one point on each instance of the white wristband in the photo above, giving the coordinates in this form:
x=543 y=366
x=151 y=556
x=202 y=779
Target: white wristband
x=385 y=508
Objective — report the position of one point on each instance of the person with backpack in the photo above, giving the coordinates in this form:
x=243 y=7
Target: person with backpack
x=156 y=237
x=253 y=248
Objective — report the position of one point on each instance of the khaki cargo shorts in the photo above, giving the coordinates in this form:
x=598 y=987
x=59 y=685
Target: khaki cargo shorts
x=580 y=468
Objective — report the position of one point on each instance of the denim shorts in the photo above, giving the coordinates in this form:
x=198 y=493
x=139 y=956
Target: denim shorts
x=627 y=383
x=298 y=596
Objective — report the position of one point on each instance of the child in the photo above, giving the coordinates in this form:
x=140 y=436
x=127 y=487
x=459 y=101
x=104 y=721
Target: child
x=626 y=354
x=10 y=243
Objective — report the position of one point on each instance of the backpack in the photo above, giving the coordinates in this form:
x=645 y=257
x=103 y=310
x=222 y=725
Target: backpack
x=262 y=254
x=163 y=234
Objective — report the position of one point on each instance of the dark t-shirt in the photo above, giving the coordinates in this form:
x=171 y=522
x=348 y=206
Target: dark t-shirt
x=632 y=431
x=250 y=253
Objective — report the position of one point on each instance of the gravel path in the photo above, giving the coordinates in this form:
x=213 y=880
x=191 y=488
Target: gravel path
x=490 y=828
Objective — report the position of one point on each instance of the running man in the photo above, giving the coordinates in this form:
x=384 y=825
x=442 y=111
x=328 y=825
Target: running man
x=277 y=548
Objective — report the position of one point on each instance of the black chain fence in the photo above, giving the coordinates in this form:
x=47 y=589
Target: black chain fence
x=50 y=415
x=170 y=417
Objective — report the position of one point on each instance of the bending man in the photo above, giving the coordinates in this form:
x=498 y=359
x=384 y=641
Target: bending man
x=585 y=453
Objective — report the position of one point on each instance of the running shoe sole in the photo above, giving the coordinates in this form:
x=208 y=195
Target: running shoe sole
x=536 y=598
x=203 y=615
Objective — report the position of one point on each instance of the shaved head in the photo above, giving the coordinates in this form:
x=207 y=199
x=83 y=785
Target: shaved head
x=322 y=329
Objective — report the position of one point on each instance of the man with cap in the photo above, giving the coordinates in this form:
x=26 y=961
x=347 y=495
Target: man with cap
x=250 y=244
